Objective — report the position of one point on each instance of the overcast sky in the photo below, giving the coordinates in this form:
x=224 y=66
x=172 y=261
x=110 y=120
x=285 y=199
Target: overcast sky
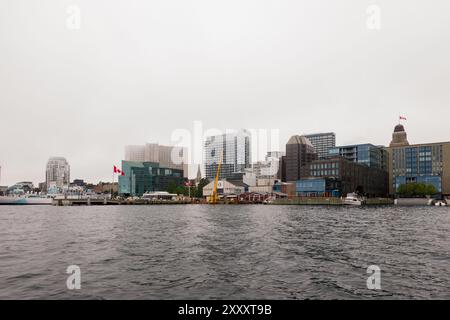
x=137 y=70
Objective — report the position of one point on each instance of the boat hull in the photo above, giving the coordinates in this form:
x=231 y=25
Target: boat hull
x=11 y=201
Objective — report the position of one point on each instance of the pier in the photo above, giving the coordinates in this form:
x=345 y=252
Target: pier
x=108 y=202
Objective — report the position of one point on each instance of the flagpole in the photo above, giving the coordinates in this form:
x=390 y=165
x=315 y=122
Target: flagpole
x=112 y=184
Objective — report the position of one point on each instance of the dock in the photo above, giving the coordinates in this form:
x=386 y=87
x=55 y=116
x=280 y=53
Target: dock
x=109 y=202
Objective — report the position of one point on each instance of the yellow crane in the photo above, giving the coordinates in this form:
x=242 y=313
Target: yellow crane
x=214 y=196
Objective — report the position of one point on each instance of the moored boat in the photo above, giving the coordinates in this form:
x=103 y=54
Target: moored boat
x=29 y=199
x=354 y=199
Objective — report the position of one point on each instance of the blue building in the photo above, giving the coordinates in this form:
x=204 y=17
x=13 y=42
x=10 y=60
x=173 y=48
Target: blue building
x=142 y=177
x=318 y=187
x=366 y=154
x=420 y=163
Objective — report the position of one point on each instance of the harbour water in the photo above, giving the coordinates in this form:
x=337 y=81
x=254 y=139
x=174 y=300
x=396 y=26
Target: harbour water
x=224 y=252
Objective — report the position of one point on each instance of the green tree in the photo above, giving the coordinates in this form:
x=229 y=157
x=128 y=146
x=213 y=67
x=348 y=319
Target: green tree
x=430 y=190
x=420 y=189
x=402 y=190
x=172 y=188
x=416 y=189
x=199 y=190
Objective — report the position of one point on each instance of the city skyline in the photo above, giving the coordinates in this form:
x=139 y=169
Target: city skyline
x=134 y=74
x=192 y=174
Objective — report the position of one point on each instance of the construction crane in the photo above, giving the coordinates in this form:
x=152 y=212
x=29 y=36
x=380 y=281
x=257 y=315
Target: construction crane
x=214 y=196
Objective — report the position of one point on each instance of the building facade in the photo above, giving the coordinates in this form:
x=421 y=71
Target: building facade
x=57 y=174
x=142 y=177
x=234 y=149
x=167 y=156
x=225 y=188
x=420 y=163
x=338 y=176
x=366 y=154
x=299 y=152
x=322 y=143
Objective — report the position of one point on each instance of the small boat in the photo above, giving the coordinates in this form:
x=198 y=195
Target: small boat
x=440 y=203
x=354 y=199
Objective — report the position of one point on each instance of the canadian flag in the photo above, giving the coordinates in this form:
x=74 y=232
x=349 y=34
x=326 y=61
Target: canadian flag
x=402 y=118
x=118 y=171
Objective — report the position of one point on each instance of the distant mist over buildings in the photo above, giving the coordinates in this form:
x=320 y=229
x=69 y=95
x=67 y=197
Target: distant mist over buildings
x=83 y=87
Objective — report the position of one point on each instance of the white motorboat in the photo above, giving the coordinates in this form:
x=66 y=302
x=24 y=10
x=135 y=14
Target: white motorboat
x=354 y=199
x=440 y=203
x=28 y=199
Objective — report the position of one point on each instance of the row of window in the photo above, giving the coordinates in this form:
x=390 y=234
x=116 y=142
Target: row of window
x=332 y=165
x=321 y=173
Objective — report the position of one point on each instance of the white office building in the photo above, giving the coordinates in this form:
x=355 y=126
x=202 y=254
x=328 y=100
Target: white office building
x=235 y=150
x=57 y=174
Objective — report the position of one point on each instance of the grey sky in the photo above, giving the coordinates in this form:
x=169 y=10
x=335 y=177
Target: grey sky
x=137 y=70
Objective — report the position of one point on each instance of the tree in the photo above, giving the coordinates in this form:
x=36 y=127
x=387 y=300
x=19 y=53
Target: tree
x=172 y=188
x=402 y=190
x=199 y=189
x=416 y=190
x=430 y=190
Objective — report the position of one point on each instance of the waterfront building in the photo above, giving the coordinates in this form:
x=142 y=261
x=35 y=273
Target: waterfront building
x=21 y=188
x=167 y=156
x=142 y=177
x=235 y=151
x=299 y=152
x=78 y=182
x=106 y=187
x=322 y=143
x=338 y=176
x=57 y=175
x=226 y=188
x=427 y=163
x=366 y=154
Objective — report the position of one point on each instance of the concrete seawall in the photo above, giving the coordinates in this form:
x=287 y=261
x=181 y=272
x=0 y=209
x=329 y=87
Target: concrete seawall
x=411 y=201
x=330 y=201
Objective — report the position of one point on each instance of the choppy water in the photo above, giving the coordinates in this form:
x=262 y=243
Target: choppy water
x=224 y=252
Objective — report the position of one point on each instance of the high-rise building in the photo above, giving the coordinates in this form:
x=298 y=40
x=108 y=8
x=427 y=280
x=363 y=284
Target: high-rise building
x=234 y=150
x=166 y=156
x=367 y=154
x=322 y=143
x=299 y=152
x=427 y=163
x=135 y=153
x=57 y=175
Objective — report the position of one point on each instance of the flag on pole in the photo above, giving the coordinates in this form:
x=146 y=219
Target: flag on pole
x=118 y=171
x=402 y=118
x=187 y=183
